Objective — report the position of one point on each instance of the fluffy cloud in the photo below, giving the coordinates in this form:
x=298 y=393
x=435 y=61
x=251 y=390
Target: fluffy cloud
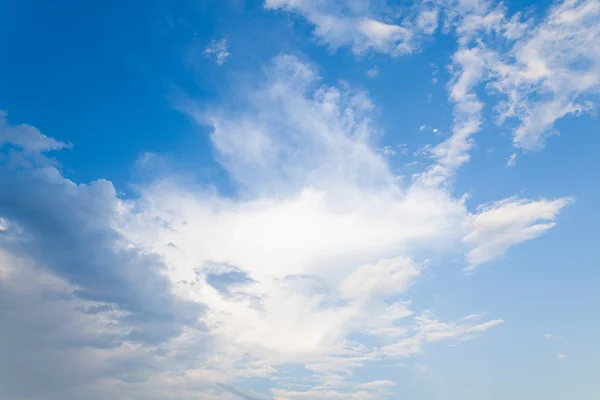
x=309 y=263
x=334 y=233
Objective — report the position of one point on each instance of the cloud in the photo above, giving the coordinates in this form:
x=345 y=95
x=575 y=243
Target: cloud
x=497 y=226
x=358 y=25
x=76 y=292
x=377 y=384
x=389 y=151
x=217 y=50
x=242 y=394
x=561 y=356
x=550 y=336
x=512 y=160
x=310 y=262
x=26 y=137
x=544 y=71
x=552 y=71
x=373 y=72
x=340 y=230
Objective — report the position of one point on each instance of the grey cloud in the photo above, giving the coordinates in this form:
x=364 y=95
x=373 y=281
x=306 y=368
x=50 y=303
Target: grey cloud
x=62 y=337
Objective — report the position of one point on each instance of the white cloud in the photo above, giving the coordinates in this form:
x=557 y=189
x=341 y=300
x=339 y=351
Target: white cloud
x=339 y=230
x=217 y=50
x=473 y=317
x=389 y=151
x=512 y=160
x=26 y=137
x=358 y=25
x=422 y=128
x=373 y=72
x=497 y=226
x=550 y=336
x=552 y=71
x=377 y=384
x=561 y=356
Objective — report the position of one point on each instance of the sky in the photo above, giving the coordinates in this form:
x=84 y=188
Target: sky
x=299 y=199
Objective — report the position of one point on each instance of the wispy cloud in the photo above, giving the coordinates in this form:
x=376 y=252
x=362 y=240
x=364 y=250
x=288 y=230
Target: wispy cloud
x=217 y=50
x=373 y=72
x=512 y=160
x=550 y=336
x=362 y=28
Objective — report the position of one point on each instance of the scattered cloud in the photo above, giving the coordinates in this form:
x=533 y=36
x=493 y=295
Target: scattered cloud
x=343 y=231
x=217 y=51
x=550 y=336
x=561 y=356
x=553 y=70
x=373 y=72
x=389 y=151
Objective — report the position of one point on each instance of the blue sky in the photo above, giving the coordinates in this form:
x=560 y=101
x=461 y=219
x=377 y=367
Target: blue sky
x=299 y=199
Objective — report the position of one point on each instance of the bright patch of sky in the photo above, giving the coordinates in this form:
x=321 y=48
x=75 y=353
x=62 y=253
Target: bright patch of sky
x=299 y=199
